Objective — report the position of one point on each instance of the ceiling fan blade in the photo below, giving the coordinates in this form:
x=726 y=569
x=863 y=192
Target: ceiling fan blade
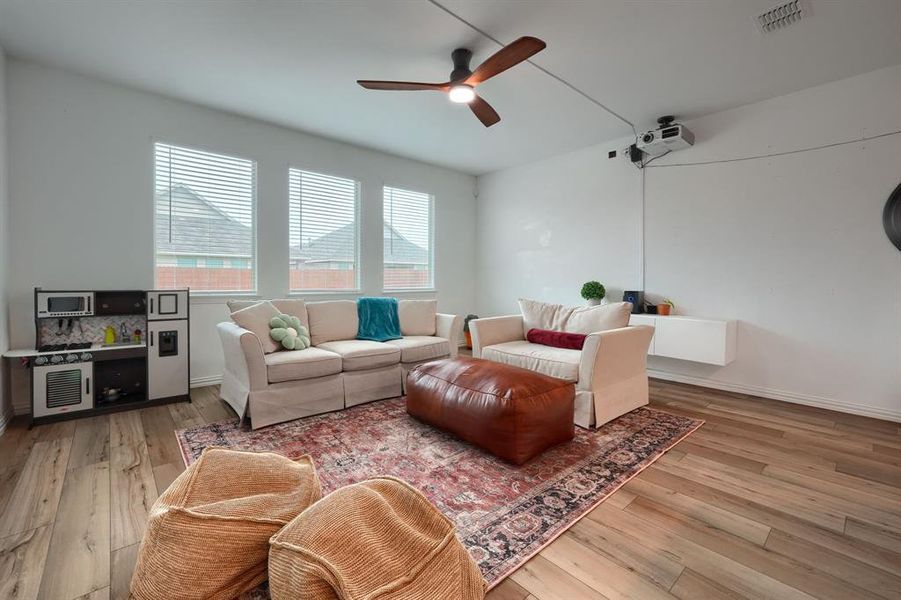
x=509 y=56
x=403 y=86
x=486 y=114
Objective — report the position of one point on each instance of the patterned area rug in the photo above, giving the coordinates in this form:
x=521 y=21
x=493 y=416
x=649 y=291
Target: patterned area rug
x=504 y=514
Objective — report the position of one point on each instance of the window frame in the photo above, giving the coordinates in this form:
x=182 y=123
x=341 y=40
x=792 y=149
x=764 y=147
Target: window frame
x=433 y=275
x=254 y=212
x=358 y=236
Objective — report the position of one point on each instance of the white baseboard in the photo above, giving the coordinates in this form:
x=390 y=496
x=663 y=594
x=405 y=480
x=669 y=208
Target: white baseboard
x=205 y=381
x=876 y=412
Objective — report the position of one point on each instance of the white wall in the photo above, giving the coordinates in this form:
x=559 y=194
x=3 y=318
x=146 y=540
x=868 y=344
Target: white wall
x=5 y=403
x=547 y=227
x=81 y=196
x=791 y=246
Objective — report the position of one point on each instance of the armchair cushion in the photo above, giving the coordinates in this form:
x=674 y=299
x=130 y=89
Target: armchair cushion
x=295 y=365
x=556 y=339
x=542 y=315
x=591 y=319
x=415 y=348
x=561 y=363
x=573 y=319
x=417 y=317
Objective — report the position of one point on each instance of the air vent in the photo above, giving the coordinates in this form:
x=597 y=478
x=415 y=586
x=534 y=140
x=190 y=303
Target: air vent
x=780 y=17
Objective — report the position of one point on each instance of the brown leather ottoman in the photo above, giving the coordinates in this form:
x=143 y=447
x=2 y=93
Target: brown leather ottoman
x=513 y=413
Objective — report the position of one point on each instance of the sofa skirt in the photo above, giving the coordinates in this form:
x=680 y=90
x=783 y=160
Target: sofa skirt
x=295 y=399
x=584 y=413
x=373 y=384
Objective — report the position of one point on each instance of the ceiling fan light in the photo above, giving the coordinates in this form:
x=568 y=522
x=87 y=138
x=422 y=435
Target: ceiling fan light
x=462 y=94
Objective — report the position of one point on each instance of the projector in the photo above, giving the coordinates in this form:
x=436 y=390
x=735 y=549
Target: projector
x=668 y=137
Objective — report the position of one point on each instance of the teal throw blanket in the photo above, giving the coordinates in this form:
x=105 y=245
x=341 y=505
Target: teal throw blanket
x=378 y=319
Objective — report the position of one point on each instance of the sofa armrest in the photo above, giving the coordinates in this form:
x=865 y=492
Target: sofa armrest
x=494 y=330
x=614 y=368
x=449 y=327
x=244 y=357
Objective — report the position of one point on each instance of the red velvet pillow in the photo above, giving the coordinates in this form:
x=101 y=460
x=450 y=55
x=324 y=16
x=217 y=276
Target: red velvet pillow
x=557 y=339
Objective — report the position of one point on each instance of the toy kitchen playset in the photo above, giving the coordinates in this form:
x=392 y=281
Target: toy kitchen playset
x=107 y=350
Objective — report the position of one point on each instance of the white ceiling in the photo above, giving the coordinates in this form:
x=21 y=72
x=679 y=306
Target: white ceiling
x=295 y=63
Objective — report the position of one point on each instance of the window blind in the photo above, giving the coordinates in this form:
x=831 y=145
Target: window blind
x=324 y=232
x=204 y=214
x=408 y=261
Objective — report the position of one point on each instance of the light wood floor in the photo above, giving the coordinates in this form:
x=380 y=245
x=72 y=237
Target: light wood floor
x=767 y=500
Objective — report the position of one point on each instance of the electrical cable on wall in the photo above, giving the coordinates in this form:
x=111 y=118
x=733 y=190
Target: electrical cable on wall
x=641 y=260
x=772 y=154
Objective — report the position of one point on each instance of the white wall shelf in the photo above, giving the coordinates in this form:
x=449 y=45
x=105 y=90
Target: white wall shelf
x=710 y=341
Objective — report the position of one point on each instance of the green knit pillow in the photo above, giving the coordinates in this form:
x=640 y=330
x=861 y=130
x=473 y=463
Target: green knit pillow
x=289 y=332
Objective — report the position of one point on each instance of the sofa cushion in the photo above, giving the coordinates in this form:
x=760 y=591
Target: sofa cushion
x=561 y=363
x=255 y=318
x=589 y=319
x=294 y=365
x=332 y=320
x=236 y=305
x=415 y=348
x=291 y=306
x=417 y=317
x=357 y=355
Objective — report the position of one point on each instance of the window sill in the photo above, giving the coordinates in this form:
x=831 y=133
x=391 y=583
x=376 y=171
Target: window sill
x=411 y=291
x=298 y=294
x=221 y=297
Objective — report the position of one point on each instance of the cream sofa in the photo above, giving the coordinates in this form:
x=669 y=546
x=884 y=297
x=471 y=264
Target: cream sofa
x=337 y=371
x=610 y=372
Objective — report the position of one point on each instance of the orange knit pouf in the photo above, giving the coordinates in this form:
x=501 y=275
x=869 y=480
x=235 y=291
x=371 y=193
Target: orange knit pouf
x=376 y=539
x=207 y=535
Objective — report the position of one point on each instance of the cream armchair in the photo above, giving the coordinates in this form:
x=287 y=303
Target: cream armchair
x=610 y=372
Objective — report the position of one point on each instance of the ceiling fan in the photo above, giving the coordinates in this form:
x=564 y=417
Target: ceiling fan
x=461 y=87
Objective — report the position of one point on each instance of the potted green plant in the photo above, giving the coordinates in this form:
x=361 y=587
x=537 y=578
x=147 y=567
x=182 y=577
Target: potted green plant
x=466 y=329
x=594 y=292
x=666 y=307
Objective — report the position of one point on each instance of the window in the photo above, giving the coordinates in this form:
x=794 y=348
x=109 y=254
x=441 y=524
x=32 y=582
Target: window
x=204 y=213
x=324 y=231
x=408 y=240
x=186 y=261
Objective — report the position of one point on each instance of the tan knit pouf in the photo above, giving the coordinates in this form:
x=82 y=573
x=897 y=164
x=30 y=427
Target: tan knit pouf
x=377 y=539
x=208 y=534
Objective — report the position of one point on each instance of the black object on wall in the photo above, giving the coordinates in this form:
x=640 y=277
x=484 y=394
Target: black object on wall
x=891 y=217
